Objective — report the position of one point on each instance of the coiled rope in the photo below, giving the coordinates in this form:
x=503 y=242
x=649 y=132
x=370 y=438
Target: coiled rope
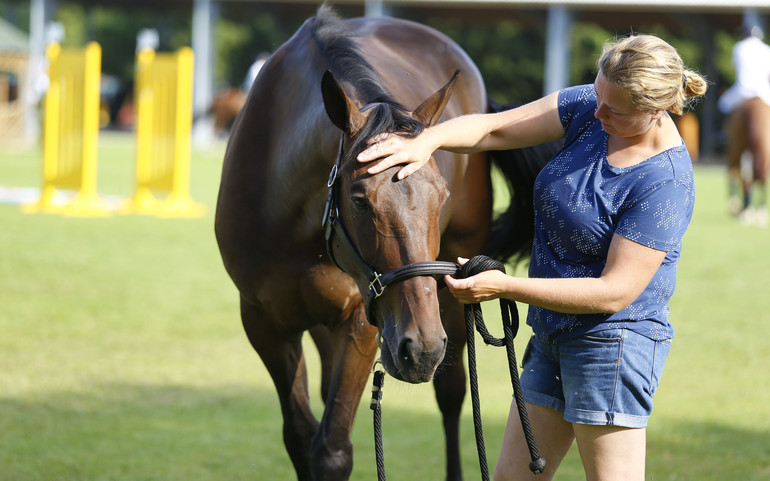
x=473 y=318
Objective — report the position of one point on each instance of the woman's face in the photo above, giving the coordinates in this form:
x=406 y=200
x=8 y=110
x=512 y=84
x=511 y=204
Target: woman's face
x=616 y=112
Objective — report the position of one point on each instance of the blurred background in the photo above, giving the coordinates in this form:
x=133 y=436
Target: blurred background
x=523 y=48
x=122 y=355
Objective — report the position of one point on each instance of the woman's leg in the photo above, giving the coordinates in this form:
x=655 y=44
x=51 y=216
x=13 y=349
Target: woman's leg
x=553 y=436
x=611 y=453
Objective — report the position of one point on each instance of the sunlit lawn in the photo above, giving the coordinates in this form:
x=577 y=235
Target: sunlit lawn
x=122 y=355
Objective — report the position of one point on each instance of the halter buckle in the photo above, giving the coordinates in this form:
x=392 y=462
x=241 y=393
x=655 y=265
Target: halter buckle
x=376 y=287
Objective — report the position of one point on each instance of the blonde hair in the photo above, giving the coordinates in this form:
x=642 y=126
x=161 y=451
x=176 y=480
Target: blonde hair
x=652 y=72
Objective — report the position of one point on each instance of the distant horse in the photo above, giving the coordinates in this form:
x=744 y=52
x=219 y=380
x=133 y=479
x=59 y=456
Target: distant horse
x=225 y=107
x=748 y=131
x=331 y=87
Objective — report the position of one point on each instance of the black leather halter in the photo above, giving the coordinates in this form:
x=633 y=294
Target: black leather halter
x=377 y=282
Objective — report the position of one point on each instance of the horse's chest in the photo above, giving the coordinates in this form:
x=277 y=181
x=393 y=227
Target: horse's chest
x=328 y=294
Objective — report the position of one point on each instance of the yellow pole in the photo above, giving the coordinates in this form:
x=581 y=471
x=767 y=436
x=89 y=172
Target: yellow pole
x=163 y=132
x=51 y=126
x=179 y=202
x=87 y=202
x=70 y=139
x=143 y=201
x=183 y=123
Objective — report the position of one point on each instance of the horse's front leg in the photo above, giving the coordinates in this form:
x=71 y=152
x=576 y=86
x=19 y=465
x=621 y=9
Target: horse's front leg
x=284 y=359
x=322 y=339
x=354 y=348
x=449 y=382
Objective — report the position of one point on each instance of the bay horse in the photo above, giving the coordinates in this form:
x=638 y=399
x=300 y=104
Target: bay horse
x=225 y=107
x=748 y=132
x=320 y=97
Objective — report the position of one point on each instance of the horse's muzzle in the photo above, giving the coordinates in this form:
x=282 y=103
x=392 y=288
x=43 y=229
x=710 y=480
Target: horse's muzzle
x=412 y=358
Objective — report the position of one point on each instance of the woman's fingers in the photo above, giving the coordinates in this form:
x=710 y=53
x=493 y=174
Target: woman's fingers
x=408 y=170
x=479 y=288
x=461 y=289
x=388 y=150
x=385 y=163
x=381 y=147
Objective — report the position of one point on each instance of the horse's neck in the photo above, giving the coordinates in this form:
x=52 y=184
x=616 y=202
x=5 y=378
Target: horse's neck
x=300 y=171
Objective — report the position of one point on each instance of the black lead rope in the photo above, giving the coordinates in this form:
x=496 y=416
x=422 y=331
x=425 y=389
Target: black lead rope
x=473 y=317
x=376 y=406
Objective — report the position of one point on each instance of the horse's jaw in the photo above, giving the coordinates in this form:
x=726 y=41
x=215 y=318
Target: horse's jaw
x=411 y=360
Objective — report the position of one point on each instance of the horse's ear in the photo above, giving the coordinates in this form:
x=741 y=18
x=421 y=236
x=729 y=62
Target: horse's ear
x=431 y=109
x=342 y=111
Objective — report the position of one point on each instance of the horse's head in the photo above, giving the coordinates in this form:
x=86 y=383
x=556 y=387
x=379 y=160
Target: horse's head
x=389 y=224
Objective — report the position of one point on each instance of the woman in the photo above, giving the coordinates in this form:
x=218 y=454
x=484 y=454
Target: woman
x=610 y=211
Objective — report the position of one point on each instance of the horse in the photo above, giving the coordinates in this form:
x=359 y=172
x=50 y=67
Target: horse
x=225 y=107
x=304 y=246
x=747 y=133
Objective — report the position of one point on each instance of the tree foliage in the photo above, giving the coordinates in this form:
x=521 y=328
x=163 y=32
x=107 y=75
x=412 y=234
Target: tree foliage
x=240 y=41
x=509 y=56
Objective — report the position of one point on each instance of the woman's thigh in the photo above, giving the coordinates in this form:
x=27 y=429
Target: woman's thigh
x=611 y=453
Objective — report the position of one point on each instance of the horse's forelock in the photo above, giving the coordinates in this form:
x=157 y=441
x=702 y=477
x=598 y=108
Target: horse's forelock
x=387 y=117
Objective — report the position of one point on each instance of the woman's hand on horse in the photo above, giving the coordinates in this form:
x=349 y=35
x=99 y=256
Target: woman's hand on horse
x=484 y=286
x=389 y=150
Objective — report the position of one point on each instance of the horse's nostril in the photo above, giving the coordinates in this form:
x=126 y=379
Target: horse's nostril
x=405 y=354
x=412 y=353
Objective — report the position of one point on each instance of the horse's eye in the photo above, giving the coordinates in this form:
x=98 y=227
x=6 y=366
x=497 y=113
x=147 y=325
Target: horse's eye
x=361 y=203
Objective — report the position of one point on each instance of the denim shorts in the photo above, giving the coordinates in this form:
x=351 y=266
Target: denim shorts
x=601 y=378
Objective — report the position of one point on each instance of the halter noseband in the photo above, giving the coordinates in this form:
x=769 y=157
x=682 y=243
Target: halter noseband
x=377 y=282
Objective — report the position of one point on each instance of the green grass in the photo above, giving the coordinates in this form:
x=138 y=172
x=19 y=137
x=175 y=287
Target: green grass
x=122 y=356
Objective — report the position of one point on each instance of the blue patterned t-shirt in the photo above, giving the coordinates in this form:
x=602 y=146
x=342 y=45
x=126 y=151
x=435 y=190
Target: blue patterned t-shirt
x=581 y=201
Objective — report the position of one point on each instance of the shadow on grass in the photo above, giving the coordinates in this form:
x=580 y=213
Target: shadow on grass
x=134 y=432
x=148 y=432
x=706 y=451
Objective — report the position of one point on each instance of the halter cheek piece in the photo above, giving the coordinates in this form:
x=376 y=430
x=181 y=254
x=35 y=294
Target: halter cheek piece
x=377 y=282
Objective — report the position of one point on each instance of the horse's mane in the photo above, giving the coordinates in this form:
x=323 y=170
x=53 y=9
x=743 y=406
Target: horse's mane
x=343 y=56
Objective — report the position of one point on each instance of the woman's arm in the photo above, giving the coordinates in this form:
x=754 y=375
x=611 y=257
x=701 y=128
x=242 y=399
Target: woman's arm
x=530 y=124
x=629 y=269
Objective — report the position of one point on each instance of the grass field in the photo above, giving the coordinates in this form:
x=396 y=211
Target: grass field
x=122 y=355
